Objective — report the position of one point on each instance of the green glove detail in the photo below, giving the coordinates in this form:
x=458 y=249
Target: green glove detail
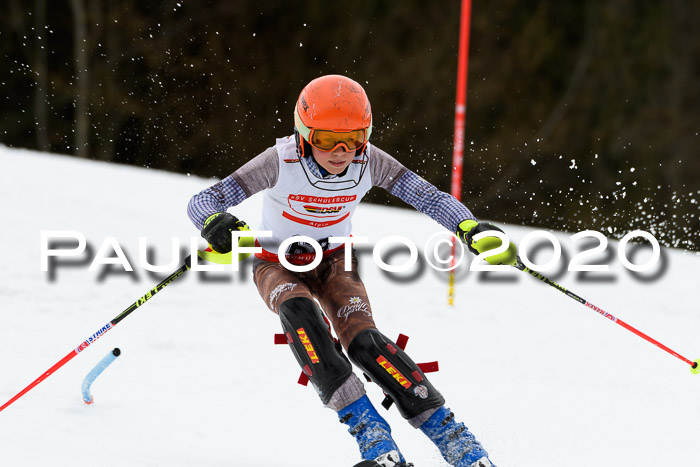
x=469 y=228
x=217 y=230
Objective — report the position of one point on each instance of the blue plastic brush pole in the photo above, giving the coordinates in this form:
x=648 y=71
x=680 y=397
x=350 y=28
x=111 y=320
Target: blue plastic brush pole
x=99 y=368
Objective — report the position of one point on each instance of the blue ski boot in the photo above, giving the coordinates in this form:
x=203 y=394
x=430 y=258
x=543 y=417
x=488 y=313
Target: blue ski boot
x=456 y=444
x=372 y=433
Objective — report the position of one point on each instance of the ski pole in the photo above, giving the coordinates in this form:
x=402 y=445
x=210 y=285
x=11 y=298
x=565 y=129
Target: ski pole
x=694 y=365
x=100 y=332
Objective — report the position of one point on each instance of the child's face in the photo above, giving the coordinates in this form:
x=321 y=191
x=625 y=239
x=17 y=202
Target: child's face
x=334 y=161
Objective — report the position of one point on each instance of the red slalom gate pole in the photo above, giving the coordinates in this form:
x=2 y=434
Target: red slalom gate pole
x=100 y=332
x=694 y=365
x=460 y=112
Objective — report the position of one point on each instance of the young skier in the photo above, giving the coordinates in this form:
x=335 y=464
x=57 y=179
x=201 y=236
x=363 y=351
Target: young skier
x=313 y=181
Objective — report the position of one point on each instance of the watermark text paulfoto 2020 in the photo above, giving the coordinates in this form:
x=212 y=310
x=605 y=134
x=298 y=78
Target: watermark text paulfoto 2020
x=591 y=262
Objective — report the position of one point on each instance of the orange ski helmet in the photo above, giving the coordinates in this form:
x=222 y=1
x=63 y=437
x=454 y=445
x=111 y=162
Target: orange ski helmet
x=333 y=111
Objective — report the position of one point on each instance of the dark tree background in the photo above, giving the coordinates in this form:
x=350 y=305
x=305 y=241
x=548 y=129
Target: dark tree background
x=579 y=114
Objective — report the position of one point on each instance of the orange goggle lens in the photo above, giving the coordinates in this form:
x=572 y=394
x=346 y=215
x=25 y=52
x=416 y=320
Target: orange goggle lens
x=327 y=140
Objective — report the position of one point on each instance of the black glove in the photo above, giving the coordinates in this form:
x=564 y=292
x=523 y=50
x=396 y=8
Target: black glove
x=217 y=230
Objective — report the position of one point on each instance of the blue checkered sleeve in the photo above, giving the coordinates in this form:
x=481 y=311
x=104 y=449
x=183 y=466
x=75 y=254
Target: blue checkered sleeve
x=440 y=206
x=216 y=198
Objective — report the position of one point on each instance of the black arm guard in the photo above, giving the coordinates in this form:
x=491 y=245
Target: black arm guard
x=395 y=372
x=217 y=230
x=318 y=355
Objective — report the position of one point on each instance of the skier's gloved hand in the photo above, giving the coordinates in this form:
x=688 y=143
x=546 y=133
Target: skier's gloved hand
x=217 y=230
x=469 y=228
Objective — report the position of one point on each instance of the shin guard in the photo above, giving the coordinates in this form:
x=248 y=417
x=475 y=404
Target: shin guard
x=395 y=372
x=319 y=356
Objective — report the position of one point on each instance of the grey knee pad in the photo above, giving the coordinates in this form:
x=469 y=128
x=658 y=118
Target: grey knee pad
x=318 y=355
x=395 y=372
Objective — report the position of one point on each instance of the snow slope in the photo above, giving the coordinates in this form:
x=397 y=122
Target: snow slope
x=540 y=379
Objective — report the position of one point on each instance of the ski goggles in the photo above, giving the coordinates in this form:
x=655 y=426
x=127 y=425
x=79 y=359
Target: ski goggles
x=329 y=140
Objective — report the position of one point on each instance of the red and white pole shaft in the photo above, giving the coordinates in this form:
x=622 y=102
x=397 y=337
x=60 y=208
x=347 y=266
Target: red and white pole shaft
x=694 y=364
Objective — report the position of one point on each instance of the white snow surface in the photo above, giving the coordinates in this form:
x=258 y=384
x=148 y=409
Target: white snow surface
x=540 y=379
